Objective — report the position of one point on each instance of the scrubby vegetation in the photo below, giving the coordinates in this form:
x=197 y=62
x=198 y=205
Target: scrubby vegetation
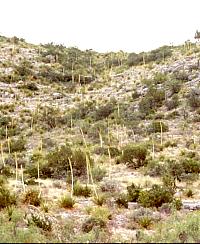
x=94 y=144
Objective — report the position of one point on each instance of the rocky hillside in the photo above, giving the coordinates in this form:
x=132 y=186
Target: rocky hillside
x=123 y=127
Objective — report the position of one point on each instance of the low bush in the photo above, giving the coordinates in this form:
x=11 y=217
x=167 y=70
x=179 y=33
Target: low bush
x=6 y=197
x=156 y=126
x=133 y=192
x=134 y=155
x=58 y=162
x=16 y=145
x=155 y=197
x=110 y=186
x=154 y=168
x=98 y=173
x=143 y=217
x=122 y=200
x=32 y=196
x=66 y=201
x=92 y=222
x=99 y=199
x=80 y=190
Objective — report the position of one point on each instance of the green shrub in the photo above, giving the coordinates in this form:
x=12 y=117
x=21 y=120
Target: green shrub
x=156 y=126
x=134 y=155
x=66 y=201
x=133 y=192
x=154 y=168
x=172 y=103
x=80 y=190
x=114 y=152
x=159 y=78
x=99 y=199
x=58 y=162
x=142 y=216
x=155 y=197
x=193 y=99
x=122 y=200
x=145 y=221
x=92 y=222
x=32 y=196
x=180 y=76
x=6 y=171
x=177 y=204
x=104 y=111
x=191 y=166
x=6 y=197
x=98 y=173
x=153 y=99
x=110 y=186
x=189 y=193
x=42 y=221
x=16 y=145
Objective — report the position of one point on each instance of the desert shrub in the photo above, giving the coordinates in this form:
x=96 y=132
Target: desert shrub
x=177 y=204
x=191 y=165
x=172 y=103
x=101 y=213
x=171 y=143
x=80 y=190
x=153 y=99
x=159 y=78
x=174 y=86
x=66 y=201
x=104 y=111
x=133 y=192
x=143 y=217
x=155 y=197
x=134 y=59
x=174 y=168
x=3 y=180
x=154 y=168
x=135 y=94
x=174 y=231
x=24 y=69
x=122 y=200
x=6 y=197
x=92 y=222
x=145 y=221
x=6 y=170
x=98 y=173
x=32 y=196
x=42 y=221
x=30 y=181
x=193 y=98
x=5 y=121
x=16 y=145
x=48 y=117
x=156 y=126
x=32 y=86
x=110 y=186
x=10 y=132
x=159 y=54
x=189 y=193
x=169 y=182
x=114 y=152
x=180 y=75
x=134 y=155
x=58 y=161
x=99 y=199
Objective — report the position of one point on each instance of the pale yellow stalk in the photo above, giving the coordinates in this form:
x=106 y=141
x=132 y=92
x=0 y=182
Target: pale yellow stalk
x=2 y=155
x=22 y=172
x=16 y=170
x=72 y=177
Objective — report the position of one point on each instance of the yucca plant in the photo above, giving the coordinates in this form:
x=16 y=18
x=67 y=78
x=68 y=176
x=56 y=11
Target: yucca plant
x=66 y=201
